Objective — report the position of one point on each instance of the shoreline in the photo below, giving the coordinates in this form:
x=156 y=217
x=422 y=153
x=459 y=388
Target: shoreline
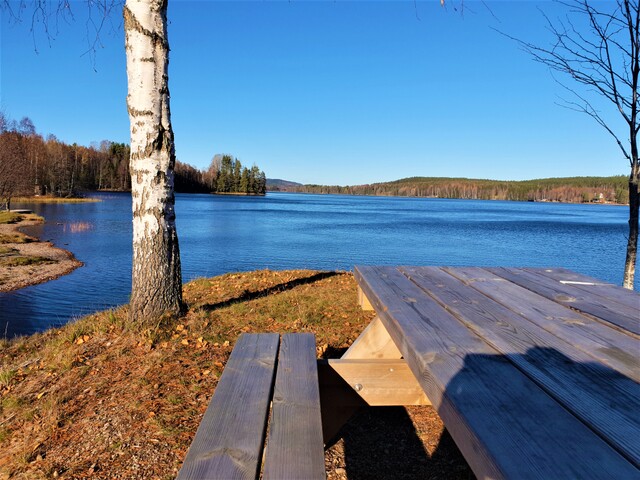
x=450 y=198
x=51 y=262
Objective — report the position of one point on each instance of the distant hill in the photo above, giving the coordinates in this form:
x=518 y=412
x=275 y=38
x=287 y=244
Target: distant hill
x=276 y=184
x=569 y=190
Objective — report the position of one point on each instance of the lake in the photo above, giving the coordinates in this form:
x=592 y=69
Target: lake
x=220 y=234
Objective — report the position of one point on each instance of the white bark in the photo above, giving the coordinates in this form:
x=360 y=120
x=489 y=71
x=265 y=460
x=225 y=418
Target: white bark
x=156 y=276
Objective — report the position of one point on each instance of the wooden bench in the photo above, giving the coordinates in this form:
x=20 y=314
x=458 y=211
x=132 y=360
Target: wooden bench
x=231 y=438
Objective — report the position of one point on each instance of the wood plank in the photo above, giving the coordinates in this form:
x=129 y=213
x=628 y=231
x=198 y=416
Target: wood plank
x=380 y=382
x=295 y=448
x=614 y=348
x=338 y=401
x=229 y=440
x=602 y=398
x=363 y=301
x=373 y=342
x=492 y=410
x=592 y=286
x=615 y=314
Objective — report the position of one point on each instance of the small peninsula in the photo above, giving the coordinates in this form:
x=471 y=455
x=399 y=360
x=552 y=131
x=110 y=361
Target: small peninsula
x=25 y=260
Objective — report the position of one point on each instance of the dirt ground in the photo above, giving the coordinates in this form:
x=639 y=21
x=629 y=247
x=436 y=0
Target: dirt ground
x=54 y=262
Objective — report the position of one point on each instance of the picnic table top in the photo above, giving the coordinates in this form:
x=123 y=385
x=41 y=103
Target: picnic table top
x=535 y=372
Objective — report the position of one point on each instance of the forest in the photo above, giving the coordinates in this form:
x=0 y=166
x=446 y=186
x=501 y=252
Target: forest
x=225 y=175
x=570 y=190
x=31 y=164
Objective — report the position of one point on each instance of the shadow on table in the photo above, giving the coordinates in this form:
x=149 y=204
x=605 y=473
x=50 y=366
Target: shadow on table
x=383 y=443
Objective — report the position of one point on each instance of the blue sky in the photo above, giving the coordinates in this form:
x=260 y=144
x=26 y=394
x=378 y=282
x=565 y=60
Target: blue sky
x=324 y=92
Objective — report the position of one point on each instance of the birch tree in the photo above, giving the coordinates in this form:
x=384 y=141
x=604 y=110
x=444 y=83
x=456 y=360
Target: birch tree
x=598 y=48
x=156 y=276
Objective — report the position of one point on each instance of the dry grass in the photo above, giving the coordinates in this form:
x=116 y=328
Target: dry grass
x=105 y=398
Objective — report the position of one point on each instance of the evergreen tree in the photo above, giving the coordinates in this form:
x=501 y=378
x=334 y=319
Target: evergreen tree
x=244 y=181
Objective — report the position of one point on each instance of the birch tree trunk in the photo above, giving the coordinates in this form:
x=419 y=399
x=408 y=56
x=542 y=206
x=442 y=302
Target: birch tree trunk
x=156 y=276
x=632 y=242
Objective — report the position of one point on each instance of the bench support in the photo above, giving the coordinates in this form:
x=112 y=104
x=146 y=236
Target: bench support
x=370 y=373
x=373 y=342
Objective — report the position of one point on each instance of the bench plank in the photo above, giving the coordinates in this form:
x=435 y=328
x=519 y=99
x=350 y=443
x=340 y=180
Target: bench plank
x=295 y=449
x=492 y=410
x=613 y=313
x=603 y=399
x=229 y=440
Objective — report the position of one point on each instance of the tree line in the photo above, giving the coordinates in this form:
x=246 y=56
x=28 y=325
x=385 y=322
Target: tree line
x=570 y=190
x=225 y=174
x=32 y=164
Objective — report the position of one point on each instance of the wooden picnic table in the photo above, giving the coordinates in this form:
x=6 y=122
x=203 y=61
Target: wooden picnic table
x=535 y=372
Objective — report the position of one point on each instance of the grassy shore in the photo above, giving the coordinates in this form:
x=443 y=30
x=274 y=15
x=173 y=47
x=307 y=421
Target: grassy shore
x=104 y=398
x=48 y=199
x=24 y=260
x=11 y=238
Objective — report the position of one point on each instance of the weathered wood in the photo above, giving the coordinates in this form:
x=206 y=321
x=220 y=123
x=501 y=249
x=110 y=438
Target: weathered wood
x=338 y=401
x=295 y=448
x=609 y=345
x=373 y=342
x=615 y=314
x=592 y=286
x=505 y=425
x=229 y=440
x=380 y=382
x=363 y=301
x=603 y=399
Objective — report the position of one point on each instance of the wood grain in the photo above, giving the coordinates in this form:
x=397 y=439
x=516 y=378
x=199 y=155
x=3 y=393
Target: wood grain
x=505 y=425
x=229 y=441
x=592 y=286
x=603 y=399
x=614 y=348
x=380 y=382
x=373 y=342
x=295 y=448
x=622 y=316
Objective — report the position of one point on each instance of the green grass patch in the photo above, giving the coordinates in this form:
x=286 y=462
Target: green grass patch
x=16 y=237
x=6 y=376
x=10 y=217
x=21 y=261
x=7 y=251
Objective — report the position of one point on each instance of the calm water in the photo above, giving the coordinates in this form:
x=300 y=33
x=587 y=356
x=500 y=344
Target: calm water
x=283 y=231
